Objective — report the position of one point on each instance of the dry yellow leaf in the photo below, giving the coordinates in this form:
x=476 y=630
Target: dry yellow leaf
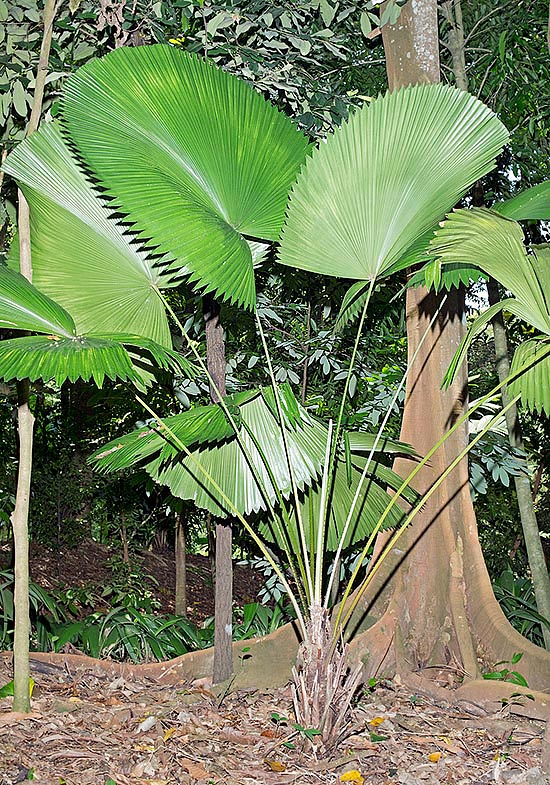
x=275 y=765
x=169 y=733
x=353 y=776
x=376 y=721
x=434 y=756
x=144 y=747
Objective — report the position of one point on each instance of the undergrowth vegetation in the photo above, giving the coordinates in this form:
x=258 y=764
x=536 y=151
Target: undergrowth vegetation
x=126 y=625
x=123 y=621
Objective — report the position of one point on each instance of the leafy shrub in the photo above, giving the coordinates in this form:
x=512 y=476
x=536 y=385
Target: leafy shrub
x=125 y=633
x=44 y=609
x=517 y=599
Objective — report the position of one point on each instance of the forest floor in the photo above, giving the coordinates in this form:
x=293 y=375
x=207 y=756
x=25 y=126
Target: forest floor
x=89 y=728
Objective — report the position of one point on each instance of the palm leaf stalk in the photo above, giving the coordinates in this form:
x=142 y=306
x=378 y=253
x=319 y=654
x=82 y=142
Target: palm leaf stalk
x=303 y=562
x=364 y=473
x=165 y=431
x=290 y=553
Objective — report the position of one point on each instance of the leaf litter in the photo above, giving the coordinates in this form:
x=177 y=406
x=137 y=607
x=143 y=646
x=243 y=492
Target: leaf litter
x=87 y=728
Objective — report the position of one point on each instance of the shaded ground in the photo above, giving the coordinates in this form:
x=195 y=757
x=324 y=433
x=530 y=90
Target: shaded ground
x=87 y=566
x=87 y=728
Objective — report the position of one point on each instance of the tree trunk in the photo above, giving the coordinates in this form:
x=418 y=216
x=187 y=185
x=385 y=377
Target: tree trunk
x=223 y=597
x=522 y=484
x=432 y=599
x=181 y=565
x=25 y=419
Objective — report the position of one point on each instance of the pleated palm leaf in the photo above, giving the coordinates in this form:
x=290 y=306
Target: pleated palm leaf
x=367 y=201
x=530 y=205
x=218 y=463
x=495 y=244
x=194 y=158
x=81 y=257
x=60 y=351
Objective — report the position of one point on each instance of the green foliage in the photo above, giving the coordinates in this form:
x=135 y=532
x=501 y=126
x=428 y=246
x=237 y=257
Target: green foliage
x=517 y=599
x=43 y=609
x=203 y=161
x=496 y=244
x=505 y=674
x=126 y=633
x=359 y=208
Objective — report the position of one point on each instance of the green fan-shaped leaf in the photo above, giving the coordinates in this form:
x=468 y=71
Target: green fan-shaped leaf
x=23 y=307
x=445 y=277
x=530 y=205
x=385 y=178
x=533 y=384
x=373 y=502
x=352 y=304
x=195 y=158
x=61 y=358
x=204 y=424
x=362 y=442
x=81 y=257
x=495 y=244
x=229 y=467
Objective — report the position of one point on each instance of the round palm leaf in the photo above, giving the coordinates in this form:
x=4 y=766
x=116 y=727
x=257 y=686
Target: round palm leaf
x=194 y=157
x=534 y=383
x=24 y=307
x=51 y=357
x=495 y=244
x=385 y=178
x=81 y=256
x=531 y=205
x=372 y=503
x=229 y=467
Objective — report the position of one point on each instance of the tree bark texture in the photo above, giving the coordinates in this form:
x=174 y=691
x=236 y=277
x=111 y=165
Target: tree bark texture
x=522 y=484
x=180 y=556
x=25 y=419
x=432 y=599
x=223 y=591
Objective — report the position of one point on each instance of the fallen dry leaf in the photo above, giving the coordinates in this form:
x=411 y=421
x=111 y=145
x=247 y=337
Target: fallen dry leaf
x=170 y=732
x=269 y=733
x=434 y=757
x=11 y=717
x=353 y=776
x=275 y=765
x=194 y=769
x=376 y=721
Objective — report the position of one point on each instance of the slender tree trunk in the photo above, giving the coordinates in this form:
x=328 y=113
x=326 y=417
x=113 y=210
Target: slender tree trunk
x=124 y=538
x=452 y=13
x=25 y=419
x=223 y=610
x=531 y=533
x=180 y=555
x=432 y=598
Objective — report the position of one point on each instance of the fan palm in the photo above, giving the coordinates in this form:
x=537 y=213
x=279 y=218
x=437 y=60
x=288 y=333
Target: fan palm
x=217 y=468
x=495 y=244
x=60 y=351
x=366 y=203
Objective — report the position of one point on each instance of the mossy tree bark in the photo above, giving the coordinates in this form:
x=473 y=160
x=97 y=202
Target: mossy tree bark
x=431 y=602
